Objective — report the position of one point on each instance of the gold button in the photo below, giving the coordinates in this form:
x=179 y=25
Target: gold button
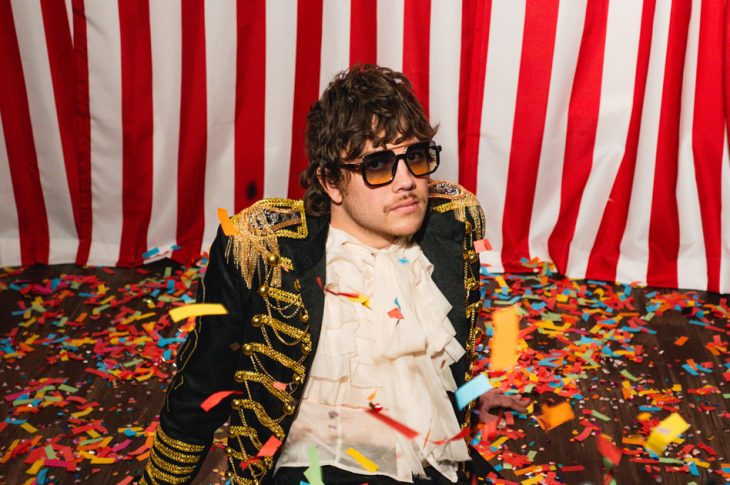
x=298 y=379
x=238 y=377
x=229 y=451
x=304 y=316
x=468 y=227
x=471 y=256
x=264 y=290
x=257 y=320
x=236 y=404
x=272 y=259
x=229 y=474
x=306 y=347
x=297 y=285
x=247 y=349
x=289 y=408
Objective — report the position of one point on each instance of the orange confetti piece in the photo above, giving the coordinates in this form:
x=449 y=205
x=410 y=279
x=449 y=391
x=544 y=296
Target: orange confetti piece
x=226 y=223
x=681 y=340
x=503 y=345
x=396 y=313
x=554 y=416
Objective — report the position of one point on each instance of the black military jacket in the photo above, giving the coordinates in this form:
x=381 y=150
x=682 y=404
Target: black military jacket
x=269 y=275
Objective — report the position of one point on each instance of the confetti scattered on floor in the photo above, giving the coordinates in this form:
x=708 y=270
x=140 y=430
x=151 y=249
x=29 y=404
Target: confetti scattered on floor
x=85 y=361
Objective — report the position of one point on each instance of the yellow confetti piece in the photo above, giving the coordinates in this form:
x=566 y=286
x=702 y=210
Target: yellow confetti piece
x=86 y=411
x=196 y=310
x=499 y=441
x=667 y=431
x=364 y=300
x=364 y=461
x=35 y=467
x=29 y=427
x=97 y=460
x=554 y=416
x=502 y=284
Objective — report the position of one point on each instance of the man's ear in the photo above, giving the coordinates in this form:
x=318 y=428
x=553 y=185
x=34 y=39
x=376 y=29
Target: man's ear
x=332 y=190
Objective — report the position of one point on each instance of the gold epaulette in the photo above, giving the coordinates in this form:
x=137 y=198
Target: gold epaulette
x=172 y=460
x=257 y=230
x=451 y=197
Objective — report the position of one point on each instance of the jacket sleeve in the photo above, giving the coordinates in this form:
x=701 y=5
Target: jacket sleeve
x=206 y=364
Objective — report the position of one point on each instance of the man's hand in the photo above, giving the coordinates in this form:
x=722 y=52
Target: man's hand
x=494 y=398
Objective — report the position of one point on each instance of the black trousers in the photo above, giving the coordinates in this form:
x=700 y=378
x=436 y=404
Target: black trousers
x=335 y=476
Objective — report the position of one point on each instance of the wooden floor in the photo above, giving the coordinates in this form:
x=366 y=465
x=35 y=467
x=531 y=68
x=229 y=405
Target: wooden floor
x=86 y=354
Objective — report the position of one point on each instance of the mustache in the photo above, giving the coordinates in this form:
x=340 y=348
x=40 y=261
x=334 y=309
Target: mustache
x=407 y=199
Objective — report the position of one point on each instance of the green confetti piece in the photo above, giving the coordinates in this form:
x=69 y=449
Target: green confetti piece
x=670 y=461
x=67 y=388
x=629 y=375
x=168 y=271
x=89 y=441
x=600 y=416
x=314 y=472
x=50 y=452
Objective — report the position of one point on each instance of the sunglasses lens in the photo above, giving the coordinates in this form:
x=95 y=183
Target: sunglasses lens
x=422 y=158
x=378 y=167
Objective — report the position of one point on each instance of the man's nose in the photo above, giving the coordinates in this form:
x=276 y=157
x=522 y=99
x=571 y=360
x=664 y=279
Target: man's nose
x=404 y=179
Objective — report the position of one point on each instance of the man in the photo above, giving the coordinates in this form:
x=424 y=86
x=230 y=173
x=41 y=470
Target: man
x=354 y=306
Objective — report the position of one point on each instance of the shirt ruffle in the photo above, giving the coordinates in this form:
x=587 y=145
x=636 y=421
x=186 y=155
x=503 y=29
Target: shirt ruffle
x=364 y=354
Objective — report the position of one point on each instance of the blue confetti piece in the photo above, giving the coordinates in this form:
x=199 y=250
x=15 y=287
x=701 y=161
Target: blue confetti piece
x=693 y=469
x=167 y=354
x=129 y=433
x=403 y=261
x=15 y=421
x=171 y=284
x=472 y=390
x=187 y=299
x=41 y=477
x=155 y=293
x=175 y=247
x=164 y=342
x=690 y=369
x=698 y=323
x=55 y=282
x=151 y=252
x=649 y=409
x=397 y=303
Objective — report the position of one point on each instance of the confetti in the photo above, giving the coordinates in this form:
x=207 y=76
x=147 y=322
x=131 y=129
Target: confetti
x=196 y=310
x=364 y=461
x=667 y=431
x=226 y=223
x=503 y=344
x=471 y=390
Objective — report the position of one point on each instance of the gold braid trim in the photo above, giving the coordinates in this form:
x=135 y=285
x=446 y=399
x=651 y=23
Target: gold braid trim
x=257 y=229
x=171 y=454
x=156 y=472
x=262 y=416
x=289 y=330
x=266 y=381
x=277 y=356
x=246 y=432
x=162 y=464
x=178 y=444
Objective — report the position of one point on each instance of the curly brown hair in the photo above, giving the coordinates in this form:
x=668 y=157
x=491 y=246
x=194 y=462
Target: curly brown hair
x=365 y=102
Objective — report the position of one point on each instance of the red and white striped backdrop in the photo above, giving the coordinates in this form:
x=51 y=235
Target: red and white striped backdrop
x=593 y=132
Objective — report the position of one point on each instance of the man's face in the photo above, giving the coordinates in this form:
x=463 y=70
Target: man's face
x=376 y=216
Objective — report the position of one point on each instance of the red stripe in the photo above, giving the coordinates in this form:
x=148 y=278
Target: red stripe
x=475 y=19
x=61 y=63
x=581 y=132
x=193 y=133
x=416 y=47
x=83 y=133
x=250 y=102
x=137 y=129
x=664 y=224
x=306 y=82
x=538 y=43
x=708 y=135
x=22 y=159
x=726 y=74
x=606 y=250
x=363 y=31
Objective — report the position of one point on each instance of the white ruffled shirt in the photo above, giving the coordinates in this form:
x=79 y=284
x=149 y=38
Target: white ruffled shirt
x=366 y=355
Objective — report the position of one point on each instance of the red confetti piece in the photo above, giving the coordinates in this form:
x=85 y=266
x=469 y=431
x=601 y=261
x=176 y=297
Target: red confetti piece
x=399 y=427
x=396 y=313
x=214 y=399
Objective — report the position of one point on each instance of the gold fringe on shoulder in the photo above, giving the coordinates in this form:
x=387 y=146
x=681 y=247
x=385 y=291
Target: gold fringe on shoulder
x=459 y=200
x=257 y=229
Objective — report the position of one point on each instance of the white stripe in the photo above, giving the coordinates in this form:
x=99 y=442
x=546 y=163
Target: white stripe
x=444 y=66
x=335 y=51
x=70 y=17
x=281 y=31
x=220 y=55
x=725 y=218
x=546 y=204
x=623 y=29
x=9 y=232
x=46 y=135
x=634 y=254
x=166 y=43
x=692 y=258
x=105 y=105
x=498 y=112
x=390 y=17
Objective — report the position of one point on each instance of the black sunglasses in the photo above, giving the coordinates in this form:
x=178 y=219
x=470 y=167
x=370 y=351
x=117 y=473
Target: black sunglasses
x=379 y=168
